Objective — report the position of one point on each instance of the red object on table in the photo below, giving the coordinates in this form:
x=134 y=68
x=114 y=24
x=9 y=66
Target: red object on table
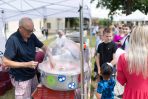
x=2 y=88
x=45 y=93
x=5 y=82
x=39 y=56
x=4 y=75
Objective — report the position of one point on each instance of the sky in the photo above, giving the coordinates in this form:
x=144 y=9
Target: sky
x=98 y=12
x=102 y=12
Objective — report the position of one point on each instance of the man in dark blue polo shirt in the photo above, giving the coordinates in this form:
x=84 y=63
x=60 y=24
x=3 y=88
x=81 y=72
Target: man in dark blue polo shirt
x=20 y=55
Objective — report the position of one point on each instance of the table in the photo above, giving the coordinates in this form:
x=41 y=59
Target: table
x=45 y=93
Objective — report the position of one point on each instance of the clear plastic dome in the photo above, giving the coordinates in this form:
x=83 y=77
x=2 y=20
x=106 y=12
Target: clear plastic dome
x=62 y=55
x=60 y=69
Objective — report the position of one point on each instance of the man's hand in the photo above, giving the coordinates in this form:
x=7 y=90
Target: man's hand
x=13 y=64
x=52 y=64
x=32 y=64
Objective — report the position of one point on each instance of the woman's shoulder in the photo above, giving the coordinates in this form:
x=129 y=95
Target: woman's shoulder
x=122 y=61
x=124 y=56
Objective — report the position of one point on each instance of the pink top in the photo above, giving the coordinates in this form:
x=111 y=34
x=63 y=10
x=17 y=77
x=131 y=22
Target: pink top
x=136 y=87
x=117 y=38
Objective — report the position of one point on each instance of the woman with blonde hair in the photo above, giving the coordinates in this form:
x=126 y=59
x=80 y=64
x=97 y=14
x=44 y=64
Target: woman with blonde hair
x=132 y=67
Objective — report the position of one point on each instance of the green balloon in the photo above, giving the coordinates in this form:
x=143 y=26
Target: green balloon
x=51 y=80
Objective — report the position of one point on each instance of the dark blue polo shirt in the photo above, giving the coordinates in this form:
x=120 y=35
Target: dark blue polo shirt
x=21 y=51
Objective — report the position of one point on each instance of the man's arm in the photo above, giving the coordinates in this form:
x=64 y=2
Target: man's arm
x=51 y=60
x=97 y=58
x=13 y=64
x=44 y=48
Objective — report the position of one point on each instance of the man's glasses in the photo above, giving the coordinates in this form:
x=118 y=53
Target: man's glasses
x=28 y=30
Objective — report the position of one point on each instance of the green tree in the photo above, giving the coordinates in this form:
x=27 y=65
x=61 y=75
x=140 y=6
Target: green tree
x=74 y=22
x=127 y=6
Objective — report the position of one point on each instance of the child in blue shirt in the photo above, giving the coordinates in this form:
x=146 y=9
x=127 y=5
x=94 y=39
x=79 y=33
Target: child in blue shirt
x=105 y=89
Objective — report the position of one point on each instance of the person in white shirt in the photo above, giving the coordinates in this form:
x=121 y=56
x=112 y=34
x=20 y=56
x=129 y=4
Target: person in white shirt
x=125 y=40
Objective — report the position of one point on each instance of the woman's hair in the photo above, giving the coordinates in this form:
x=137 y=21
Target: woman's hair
x=137 y=54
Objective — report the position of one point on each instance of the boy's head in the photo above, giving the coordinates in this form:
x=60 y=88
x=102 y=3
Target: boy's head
x=106 y=70
x=107 y=35
x=126 y=29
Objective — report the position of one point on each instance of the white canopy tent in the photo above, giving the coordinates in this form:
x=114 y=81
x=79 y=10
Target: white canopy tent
x=11 y=10
x=14 y=9
x=135 y=16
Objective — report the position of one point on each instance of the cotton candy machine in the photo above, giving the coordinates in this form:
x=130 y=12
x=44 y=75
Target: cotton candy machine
x=60 y=69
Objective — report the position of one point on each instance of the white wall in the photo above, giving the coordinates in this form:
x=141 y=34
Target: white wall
x=56 y=24
x=38 y=24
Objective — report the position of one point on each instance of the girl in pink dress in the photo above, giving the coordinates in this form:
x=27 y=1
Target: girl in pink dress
x=132 y=67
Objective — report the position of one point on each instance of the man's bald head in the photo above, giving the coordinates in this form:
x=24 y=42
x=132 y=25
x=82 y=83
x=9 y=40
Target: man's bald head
x=26 y=22
x=26 y=27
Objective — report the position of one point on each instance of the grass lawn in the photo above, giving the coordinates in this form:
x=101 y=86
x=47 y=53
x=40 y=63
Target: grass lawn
x=46 y=42
x=92 y=40
x=8 y=95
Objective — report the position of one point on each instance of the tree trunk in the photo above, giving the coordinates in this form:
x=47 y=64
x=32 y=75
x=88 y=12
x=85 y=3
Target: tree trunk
x=129 y=6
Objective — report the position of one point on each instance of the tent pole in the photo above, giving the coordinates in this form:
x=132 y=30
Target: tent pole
x=44 y=9
x=81 y=52
x=45 y=22
x=90 y=30
x=4 y=24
